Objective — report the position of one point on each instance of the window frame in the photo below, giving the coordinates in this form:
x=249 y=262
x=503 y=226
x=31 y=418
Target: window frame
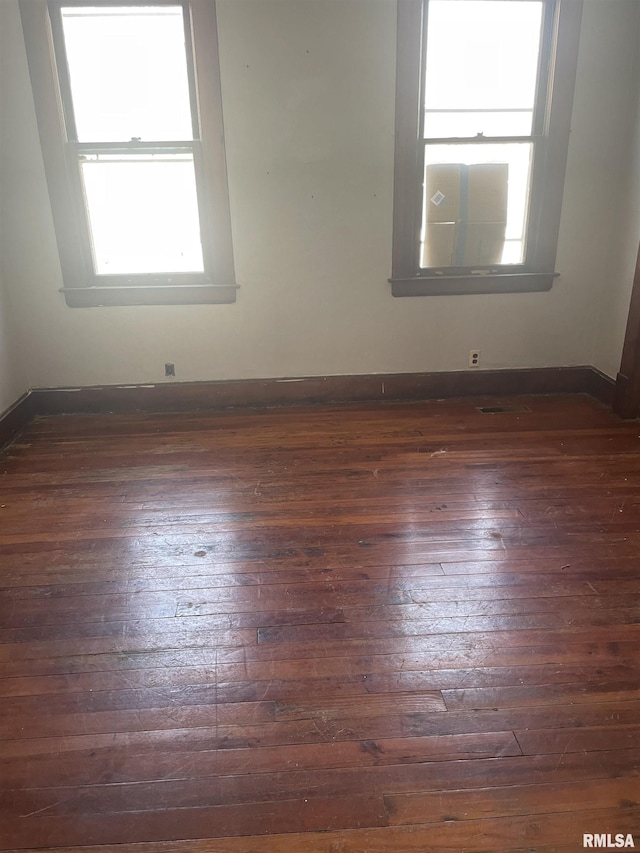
x=551 y=128
x=83 y=287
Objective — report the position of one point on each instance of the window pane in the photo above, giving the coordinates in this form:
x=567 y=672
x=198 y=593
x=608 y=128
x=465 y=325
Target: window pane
x=128 y=73
x=489 y=123
x=143 y=213
x=482 y=55
x=475 y=204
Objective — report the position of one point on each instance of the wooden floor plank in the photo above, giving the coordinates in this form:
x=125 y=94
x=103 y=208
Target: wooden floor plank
x=108 y=671
x=391 y=628
x=223 y=736
x=206 y=759
x=549 y=833
x=382 y=673
x=293 y=784
x=499 y=802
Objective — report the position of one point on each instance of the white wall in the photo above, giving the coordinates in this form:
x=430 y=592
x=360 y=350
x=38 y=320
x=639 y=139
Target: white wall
x=13 y=378
x=308 y=91
x=624 y=238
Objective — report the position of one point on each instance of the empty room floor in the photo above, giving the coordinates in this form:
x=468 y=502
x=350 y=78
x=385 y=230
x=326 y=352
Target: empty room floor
x=399 y=627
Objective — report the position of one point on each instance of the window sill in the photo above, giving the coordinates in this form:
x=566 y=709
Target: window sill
x=467 y=285
x=185 y=294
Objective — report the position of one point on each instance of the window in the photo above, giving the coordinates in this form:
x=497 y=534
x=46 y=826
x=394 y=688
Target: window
x=484 y=92
x=129 y=111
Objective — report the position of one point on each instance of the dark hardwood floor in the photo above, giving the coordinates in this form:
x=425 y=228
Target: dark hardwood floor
x=323 y=630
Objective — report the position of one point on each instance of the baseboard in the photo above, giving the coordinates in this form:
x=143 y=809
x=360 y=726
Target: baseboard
x=190 y=396
x=601 y=386
x=16 y=417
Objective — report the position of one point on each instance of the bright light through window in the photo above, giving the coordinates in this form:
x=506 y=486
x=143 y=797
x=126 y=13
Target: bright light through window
x=129 y=106
x=143 y=214
x=128 y=73
x=480 y=82
x=129 y=86
x=482 y=63
x=497 y=205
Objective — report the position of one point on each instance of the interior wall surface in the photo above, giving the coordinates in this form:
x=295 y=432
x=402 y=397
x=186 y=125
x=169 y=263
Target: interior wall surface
x=13 y=380
x=624 y=236
x=308 y=98
x=13 y=375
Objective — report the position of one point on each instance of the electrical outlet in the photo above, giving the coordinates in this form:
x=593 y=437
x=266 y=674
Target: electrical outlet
x=474 y=358
x=169 y=369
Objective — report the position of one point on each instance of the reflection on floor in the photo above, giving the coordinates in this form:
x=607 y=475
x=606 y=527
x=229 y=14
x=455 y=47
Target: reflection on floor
x=339 y=629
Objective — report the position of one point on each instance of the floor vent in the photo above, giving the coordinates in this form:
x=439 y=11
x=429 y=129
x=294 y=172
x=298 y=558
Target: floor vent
x=498 y=410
